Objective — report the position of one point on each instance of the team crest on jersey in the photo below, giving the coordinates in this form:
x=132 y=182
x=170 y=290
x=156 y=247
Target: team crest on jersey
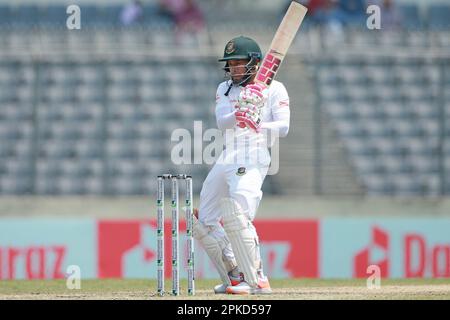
x=230 y=48
x=284 y=103
x=240 y=171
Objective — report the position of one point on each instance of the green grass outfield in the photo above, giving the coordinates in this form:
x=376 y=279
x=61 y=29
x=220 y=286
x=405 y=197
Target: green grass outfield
x=282 y=289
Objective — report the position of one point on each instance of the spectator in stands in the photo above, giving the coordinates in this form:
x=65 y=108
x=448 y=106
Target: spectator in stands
x=351 y=12
x=132 y=13
x=322 y=11
x=315 y=8
x=186 y=14
x=390 y=14
x=336 y=14
x=310 y=4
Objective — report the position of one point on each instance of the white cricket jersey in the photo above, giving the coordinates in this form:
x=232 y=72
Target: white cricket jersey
x=245 y=142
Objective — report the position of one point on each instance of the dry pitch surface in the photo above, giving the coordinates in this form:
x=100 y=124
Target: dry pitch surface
x=298 y=289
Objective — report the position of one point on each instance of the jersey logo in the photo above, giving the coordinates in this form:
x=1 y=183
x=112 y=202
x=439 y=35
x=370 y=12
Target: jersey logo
x=240 y=171
x=284 y=103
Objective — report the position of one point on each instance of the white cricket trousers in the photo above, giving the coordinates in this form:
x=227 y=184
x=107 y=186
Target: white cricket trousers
x=229 y=181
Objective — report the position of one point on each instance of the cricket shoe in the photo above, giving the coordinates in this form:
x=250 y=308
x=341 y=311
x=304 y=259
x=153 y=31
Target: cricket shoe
x=222 y=288
x=263 y=287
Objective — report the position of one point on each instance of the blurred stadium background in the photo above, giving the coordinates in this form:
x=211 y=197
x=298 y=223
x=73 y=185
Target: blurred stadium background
x=86 y=118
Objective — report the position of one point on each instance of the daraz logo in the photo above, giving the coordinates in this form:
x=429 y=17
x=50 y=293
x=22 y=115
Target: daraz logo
x=420 y=256
x=376 y=253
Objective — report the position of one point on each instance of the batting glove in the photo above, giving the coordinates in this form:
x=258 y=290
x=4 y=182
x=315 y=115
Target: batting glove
x=248 y=117
x=253 y=95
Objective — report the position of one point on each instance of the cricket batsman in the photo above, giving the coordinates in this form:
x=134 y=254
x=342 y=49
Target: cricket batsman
x=231 y=192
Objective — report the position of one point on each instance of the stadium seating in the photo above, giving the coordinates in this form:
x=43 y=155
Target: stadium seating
x=92 y=16
x=390 y=127
x=438 y=17
x=72 y=125
x=93 y=130
x=411 y=17
x=216 y=14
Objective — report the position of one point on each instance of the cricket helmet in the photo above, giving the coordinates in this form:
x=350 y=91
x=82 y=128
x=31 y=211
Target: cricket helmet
x=242 y=48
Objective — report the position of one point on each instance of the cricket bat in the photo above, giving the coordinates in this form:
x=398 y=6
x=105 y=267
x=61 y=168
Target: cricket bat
x=281 y=42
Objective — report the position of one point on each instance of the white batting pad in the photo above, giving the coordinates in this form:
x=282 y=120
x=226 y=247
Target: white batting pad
x=243 y=240
x=214 y=248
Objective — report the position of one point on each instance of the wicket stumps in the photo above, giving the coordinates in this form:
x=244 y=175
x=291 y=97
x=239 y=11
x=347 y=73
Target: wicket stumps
x=175 y=233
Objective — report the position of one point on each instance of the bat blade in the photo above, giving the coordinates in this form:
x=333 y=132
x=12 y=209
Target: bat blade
x=281 y=42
